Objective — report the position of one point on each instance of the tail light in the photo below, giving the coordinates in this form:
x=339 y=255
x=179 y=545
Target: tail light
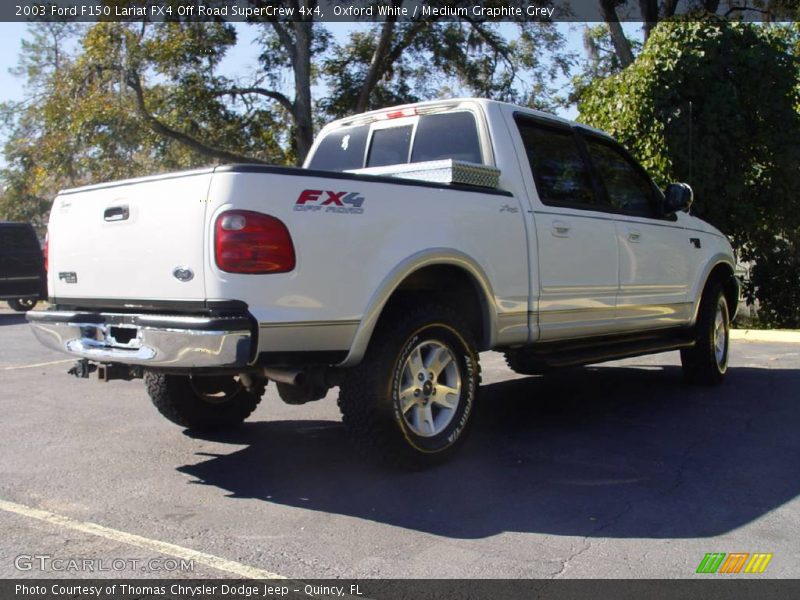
x=251 y=242
x=46 y=252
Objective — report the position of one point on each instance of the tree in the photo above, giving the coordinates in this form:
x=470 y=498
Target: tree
x=651 y=12
x=115 y=100
x=396 y=63
x=714 y=103
x=119 y=100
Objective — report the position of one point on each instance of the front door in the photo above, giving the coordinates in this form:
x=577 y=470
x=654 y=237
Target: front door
x=653 y=250
x=576 y=241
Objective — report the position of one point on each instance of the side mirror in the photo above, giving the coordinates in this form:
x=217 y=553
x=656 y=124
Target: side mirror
x=678 y=196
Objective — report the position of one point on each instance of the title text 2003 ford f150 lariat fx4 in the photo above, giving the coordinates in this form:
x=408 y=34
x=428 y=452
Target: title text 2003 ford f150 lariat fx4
x=414 y=238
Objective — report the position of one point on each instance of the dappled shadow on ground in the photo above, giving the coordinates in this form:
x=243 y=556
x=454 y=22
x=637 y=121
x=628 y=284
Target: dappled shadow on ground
x=605 y=451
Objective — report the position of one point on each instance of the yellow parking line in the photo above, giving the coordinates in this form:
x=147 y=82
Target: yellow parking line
x=209 y=560
x=44 y=364
x=786 y=336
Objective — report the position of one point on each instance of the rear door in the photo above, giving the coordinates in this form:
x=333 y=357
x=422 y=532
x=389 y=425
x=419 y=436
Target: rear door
x=653 y=250
x=576 y=239
x=126 y=240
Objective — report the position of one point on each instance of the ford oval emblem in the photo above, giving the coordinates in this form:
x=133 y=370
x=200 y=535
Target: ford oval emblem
x=183 y=274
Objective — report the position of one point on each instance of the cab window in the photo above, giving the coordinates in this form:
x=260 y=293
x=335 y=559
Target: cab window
x=437 y=136
x=341 y=150
x=629 y=189
x=389 y=146
x=447 y=135
x=557 y=165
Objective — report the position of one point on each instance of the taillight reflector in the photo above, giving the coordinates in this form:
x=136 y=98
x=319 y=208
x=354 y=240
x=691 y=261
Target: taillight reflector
x=250 y=242
x=46 y=251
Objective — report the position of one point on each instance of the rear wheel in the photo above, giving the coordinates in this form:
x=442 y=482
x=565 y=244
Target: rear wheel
x=22 y=304
x=707 y=362
x=410 y=400
x=203 y=403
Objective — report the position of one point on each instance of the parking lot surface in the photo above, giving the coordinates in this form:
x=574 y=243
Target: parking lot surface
x=618 y=470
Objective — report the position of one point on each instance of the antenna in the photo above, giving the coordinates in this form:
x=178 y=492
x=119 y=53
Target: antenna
x=690 y=142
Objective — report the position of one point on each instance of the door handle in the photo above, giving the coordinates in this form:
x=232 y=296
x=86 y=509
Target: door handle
x=634 y=235
x=116 y=213
x=560 y=229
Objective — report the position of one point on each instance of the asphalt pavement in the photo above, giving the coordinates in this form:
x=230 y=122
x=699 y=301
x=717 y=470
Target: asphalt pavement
x=618 y=470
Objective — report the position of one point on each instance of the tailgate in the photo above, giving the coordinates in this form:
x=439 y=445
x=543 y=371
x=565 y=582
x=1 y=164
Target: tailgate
x=125 y=240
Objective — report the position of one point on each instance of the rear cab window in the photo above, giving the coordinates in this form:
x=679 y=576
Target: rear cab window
x=341 y=150
x=428 y=137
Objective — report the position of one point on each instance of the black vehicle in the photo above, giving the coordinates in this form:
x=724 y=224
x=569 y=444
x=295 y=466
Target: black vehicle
x=22 y=271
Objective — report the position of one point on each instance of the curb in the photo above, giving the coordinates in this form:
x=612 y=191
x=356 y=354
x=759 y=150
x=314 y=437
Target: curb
x=787 y=336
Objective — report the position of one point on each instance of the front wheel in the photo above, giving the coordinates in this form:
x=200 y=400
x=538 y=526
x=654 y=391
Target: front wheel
x=707 y=362
x=202 y=403
x=22 y=304
x=410 y=401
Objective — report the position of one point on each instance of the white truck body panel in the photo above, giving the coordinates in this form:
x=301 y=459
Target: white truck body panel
x=130 y=258
x=544 y=273
x=344 y=259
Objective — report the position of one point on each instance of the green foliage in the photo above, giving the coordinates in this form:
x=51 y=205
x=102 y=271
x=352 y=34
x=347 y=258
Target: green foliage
x=601 y=58
x=517 y=62
x=775 y=280
x=116 y=100
x=81 y=122
x=715 y=103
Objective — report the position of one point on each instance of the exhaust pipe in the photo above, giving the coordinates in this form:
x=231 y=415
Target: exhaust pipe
x=289 y=376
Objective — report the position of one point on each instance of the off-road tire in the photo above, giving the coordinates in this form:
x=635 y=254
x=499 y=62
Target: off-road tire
x=177 y=398
x=707 y=362
x=524 y=362
x=371 y=400
x=22 y=304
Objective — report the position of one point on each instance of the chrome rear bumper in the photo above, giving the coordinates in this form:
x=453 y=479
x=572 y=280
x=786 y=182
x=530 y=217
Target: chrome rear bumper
x=148 y=340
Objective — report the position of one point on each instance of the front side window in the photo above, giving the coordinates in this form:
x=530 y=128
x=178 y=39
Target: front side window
x=628 y=189
x=559 y=171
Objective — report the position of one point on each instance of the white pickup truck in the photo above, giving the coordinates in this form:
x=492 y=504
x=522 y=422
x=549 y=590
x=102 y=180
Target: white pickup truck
x=414 y=238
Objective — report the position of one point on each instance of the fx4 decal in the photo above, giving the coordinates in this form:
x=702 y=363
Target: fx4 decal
x=330 y=201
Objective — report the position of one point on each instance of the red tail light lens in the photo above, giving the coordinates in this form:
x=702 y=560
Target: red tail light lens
x=46 y=252
x=251 y=242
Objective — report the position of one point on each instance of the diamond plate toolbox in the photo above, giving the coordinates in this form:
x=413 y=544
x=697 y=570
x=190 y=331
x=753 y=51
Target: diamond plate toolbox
x=440 y=171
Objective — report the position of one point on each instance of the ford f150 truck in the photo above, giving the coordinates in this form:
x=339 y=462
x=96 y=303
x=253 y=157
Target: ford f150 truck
x=413 y=238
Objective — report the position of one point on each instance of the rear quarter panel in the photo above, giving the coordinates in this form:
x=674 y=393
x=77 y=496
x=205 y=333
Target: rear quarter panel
x=344 y=259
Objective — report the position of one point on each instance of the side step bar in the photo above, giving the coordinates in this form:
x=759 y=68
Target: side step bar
x=583 y=352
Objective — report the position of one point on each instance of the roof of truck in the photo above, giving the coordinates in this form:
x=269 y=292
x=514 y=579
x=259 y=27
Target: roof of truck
x=484 y=102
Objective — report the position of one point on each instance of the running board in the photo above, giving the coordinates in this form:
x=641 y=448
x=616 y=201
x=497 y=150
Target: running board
x=584 y=352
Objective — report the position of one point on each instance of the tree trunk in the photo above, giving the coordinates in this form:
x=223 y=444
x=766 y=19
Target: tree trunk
x=649 y=10
x=622 y=46
x=304 y=122
x=376 y=64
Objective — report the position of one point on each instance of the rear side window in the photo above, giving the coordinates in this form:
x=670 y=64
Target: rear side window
x=628 y=189
x=341 y=150
x=447 y=135
x=389 y=146
x=559 y=171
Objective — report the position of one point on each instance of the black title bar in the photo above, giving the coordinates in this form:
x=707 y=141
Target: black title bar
x=348 y=10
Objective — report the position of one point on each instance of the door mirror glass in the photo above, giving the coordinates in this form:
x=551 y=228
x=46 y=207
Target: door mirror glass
x=677 y=197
